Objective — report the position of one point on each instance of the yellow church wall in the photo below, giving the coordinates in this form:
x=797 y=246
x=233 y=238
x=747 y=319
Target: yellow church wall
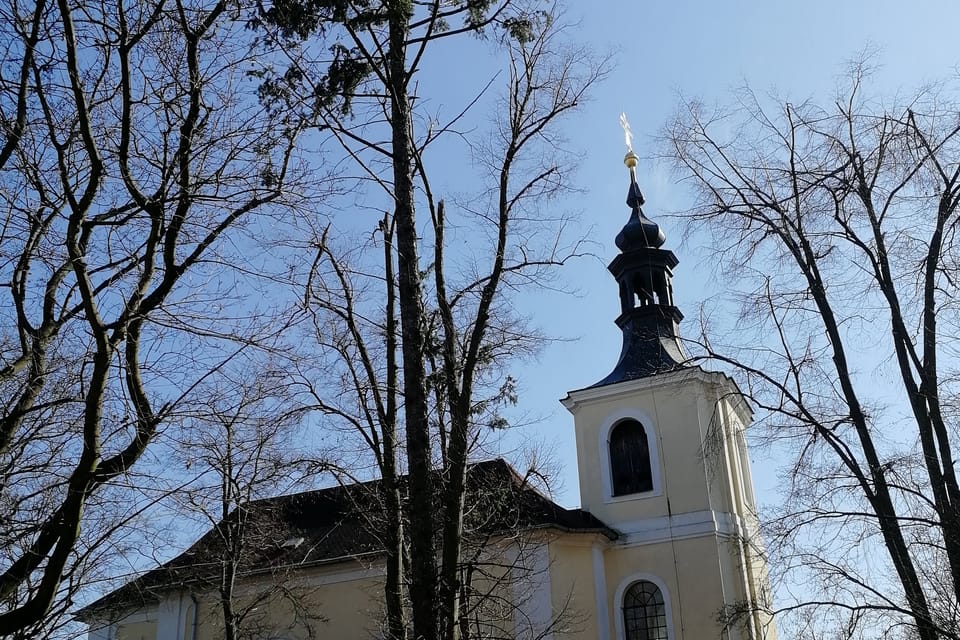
x=715 y=453
x=677 y=413
x=343 y=601
x=738 y=578
x=209 y=619
x=346 y=598
x=693 y=585
x=504 y=579
x=338 y=601
x=707 y=586
x=572 y=585
x=350 y=607
x=694 y=420
x=745 y=557
x=724 y=451
x=137 y=631
x=706 y=573
x=136 y=625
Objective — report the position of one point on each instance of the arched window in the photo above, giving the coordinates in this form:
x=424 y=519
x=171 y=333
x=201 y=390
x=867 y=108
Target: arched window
x=630 y=459
x=644 y=613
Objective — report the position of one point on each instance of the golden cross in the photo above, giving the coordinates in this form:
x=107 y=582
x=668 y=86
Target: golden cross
x=627 y=134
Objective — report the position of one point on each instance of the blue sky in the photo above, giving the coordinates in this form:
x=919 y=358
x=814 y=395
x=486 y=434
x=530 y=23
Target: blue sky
x=665 y=50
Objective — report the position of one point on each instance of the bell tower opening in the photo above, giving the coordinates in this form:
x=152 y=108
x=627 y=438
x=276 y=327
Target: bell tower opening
x=630 y=470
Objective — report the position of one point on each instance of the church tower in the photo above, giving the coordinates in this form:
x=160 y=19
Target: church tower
x=662 y=460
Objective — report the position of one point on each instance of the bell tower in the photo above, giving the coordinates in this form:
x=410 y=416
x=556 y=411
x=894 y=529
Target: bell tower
x=662 y=460
x=643 y=271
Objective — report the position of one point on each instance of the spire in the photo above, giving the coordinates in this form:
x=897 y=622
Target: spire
x=643 y=270
x=640 y=232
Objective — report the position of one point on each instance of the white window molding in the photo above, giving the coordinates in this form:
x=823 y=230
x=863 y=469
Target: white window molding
x=653 y=446
x=620 y=632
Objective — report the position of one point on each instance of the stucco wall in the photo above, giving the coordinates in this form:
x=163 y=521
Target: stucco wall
x=512 y=585
x=688 y=424
x=341 y=601
x=685 y=534
x=137 y=631
x=573 y=594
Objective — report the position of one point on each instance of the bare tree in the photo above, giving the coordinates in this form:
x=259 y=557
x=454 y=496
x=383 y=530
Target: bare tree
x=448 y=324
x=504 y=559
x=840 y=222
x=127 y=156
x=350 y=375
x=239 y=442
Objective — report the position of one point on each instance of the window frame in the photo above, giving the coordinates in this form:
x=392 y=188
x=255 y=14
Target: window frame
x=629 y=450
x=606 y=464
x=626 y=583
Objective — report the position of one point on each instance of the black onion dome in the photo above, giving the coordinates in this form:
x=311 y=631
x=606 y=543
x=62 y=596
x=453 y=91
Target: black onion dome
x=640 y=232
x=648 y=319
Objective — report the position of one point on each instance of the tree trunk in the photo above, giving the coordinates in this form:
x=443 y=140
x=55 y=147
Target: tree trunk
x=423 y=583
x=393 y=587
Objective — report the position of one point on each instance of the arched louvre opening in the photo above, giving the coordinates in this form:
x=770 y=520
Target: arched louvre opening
x=630 y=459
x=644 y=613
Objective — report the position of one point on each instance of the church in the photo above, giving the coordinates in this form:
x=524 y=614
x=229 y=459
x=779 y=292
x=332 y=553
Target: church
x=665 y=545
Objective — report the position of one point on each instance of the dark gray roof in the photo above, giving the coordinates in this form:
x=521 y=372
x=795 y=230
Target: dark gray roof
x=340 y=524
x=648 y=318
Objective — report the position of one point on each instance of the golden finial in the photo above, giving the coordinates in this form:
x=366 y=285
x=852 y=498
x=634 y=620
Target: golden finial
x=631 y=158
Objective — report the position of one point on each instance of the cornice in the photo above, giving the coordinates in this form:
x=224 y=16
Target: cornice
x=725 y=383
x=679 y=527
